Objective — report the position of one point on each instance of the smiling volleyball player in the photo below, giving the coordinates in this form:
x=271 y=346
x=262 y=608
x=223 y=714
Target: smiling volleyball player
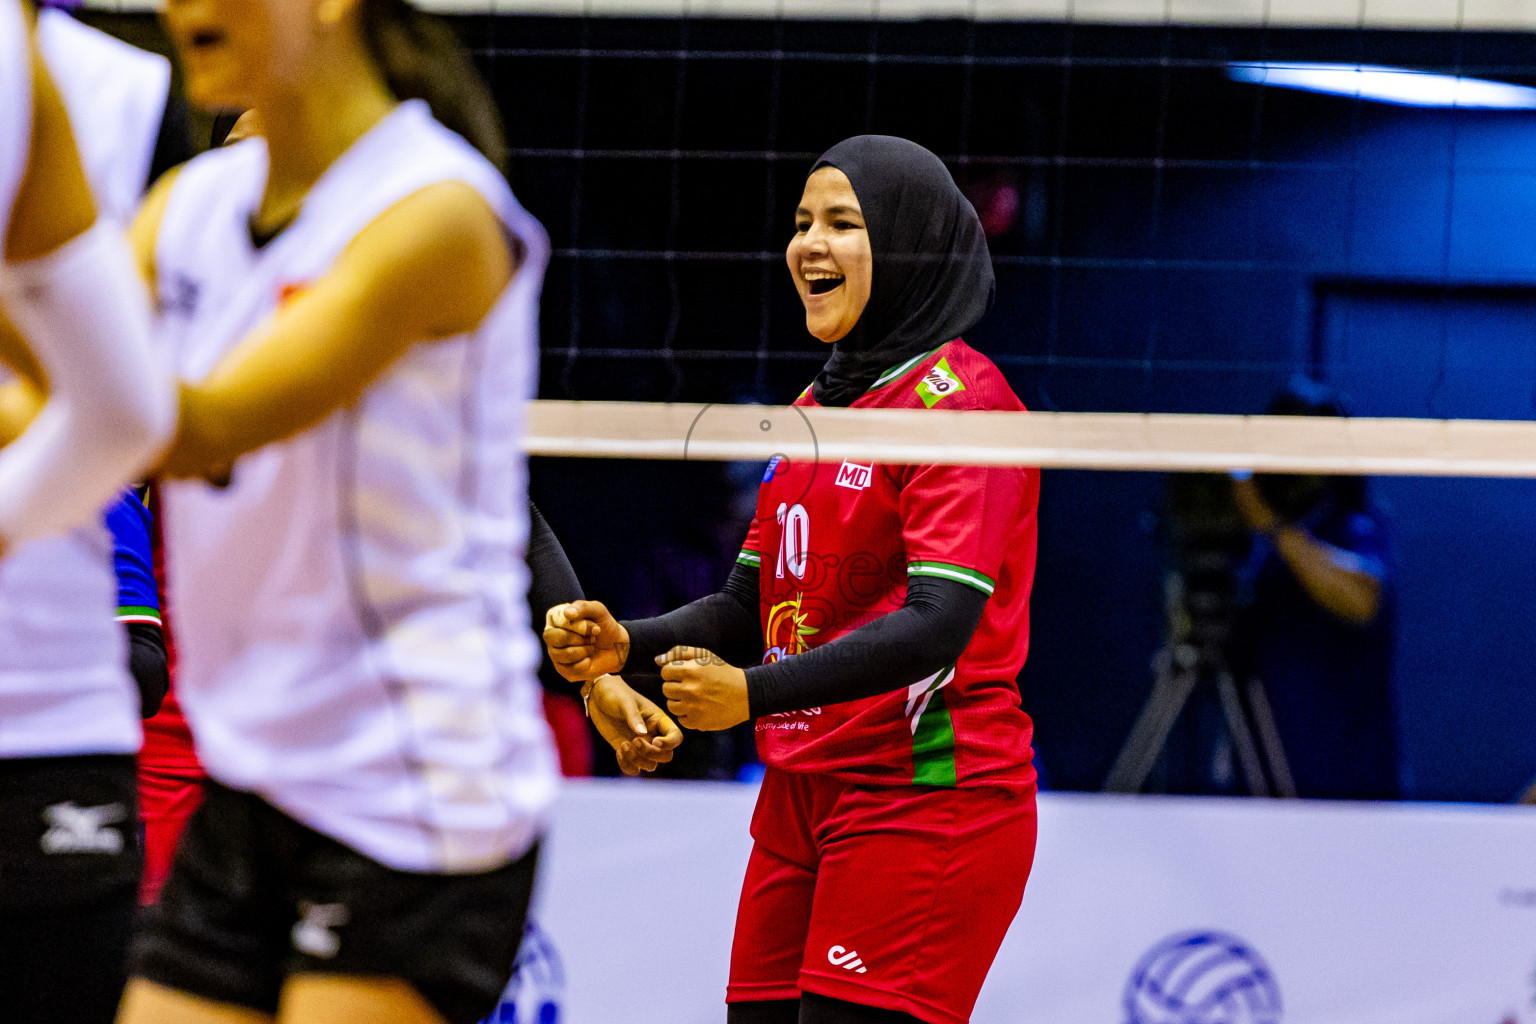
x=352 y=304
x=895 y=828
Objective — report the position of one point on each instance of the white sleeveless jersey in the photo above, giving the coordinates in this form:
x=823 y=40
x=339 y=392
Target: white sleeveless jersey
x=351 y=616
x=64 y=683
x=115 y=95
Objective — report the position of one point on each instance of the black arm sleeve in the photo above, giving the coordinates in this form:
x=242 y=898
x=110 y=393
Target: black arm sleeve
x=146 y=660
x=552 y=582
x=725 y=623
x=926 y=634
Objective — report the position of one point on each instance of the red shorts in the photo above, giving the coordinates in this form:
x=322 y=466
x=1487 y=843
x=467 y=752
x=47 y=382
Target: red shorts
x=168 y=794
x=893 y=897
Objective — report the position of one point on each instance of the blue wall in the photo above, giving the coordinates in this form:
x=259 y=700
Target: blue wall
x=1410 y=201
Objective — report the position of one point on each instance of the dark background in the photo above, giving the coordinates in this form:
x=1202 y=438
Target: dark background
x=1165 y=239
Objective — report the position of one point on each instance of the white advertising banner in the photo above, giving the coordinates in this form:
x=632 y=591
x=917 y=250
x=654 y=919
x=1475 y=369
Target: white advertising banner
x=1141 y=910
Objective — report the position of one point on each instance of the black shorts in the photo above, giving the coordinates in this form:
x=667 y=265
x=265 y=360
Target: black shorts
x=69 y=830
x=255 y=897
x=70 y=858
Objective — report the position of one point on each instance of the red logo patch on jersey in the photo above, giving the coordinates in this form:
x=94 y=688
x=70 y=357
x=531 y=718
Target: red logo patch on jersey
x=854 y=475
x=286 y=293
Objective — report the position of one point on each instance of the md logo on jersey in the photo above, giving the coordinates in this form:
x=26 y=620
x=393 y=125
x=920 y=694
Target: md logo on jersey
x=1202 y=977
x=536 y=993
x=938 y=384
x=854 y=475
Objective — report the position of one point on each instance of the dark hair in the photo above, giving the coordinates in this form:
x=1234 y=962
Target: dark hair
x=423 y=60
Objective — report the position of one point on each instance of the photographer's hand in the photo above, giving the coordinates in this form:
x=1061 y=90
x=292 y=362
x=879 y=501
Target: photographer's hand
x=1332 y=578
x=1253 y=508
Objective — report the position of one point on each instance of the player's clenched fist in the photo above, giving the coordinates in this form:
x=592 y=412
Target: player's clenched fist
x=702 y=690
x=585 y=640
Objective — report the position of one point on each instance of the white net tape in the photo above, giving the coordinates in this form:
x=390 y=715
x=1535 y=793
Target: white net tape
x=1503 y=15
x=1125 y=441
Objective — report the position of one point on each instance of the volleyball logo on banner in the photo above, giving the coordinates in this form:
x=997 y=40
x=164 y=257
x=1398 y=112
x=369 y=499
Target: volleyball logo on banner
x=536 y=993
x=1202 y=977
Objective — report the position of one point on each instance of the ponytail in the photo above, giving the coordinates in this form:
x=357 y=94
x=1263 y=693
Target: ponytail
x=422 y=59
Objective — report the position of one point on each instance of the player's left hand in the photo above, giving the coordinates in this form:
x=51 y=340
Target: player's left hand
x=702 y=691
x=641 y=734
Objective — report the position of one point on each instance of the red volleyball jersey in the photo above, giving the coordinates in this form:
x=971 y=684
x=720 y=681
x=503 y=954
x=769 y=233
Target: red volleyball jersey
x=834 y=547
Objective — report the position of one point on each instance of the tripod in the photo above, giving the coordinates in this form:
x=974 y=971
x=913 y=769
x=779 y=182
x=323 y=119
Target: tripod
x=1183 y=665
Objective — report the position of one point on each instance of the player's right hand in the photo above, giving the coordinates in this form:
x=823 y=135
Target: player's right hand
x=640 y=733
x=585 y=640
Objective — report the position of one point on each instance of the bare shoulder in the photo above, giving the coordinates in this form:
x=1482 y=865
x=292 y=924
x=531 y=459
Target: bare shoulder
x=446 y=247
x=446 y=223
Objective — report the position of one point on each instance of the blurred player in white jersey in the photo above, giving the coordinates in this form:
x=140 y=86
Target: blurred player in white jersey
x=130 y=128
x=351 y=303
x=73 y=321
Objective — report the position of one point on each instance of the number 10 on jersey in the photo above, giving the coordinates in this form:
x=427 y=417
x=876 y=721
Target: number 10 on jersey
x=794 y=539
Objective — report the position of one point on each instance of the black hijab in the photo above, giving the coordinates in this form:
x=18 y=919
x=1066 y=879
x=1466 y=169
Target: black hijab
x=932 y=272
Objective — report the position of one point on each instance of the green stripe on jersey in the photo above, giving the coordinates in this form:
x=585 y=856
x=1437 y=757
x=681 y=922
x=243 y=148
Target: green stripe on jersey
x=980 y=580
x=897 y=371
x=933 y=746
x=749 y=558
x=138 y=613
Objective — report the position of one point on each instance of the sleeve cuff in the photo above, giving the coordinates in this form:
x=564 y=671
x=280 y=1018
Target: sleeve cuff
x=959 y=574
x=646 y=640
x=756 y=697
x=138 y=613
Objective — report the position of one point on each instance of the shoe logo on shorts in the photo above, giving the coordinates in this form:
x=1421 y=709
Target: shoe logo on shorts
x=312 y=934
x=75 y=829
x=847 y=959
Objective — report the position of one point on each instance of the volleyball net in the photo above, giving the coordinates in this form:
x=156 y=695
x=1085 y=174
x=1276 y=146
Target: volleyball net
x=1178 y=221
x=1118 y=441
x=1179 y=226
x=1188 y=203
x=670 y=137
x=1168 y=234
